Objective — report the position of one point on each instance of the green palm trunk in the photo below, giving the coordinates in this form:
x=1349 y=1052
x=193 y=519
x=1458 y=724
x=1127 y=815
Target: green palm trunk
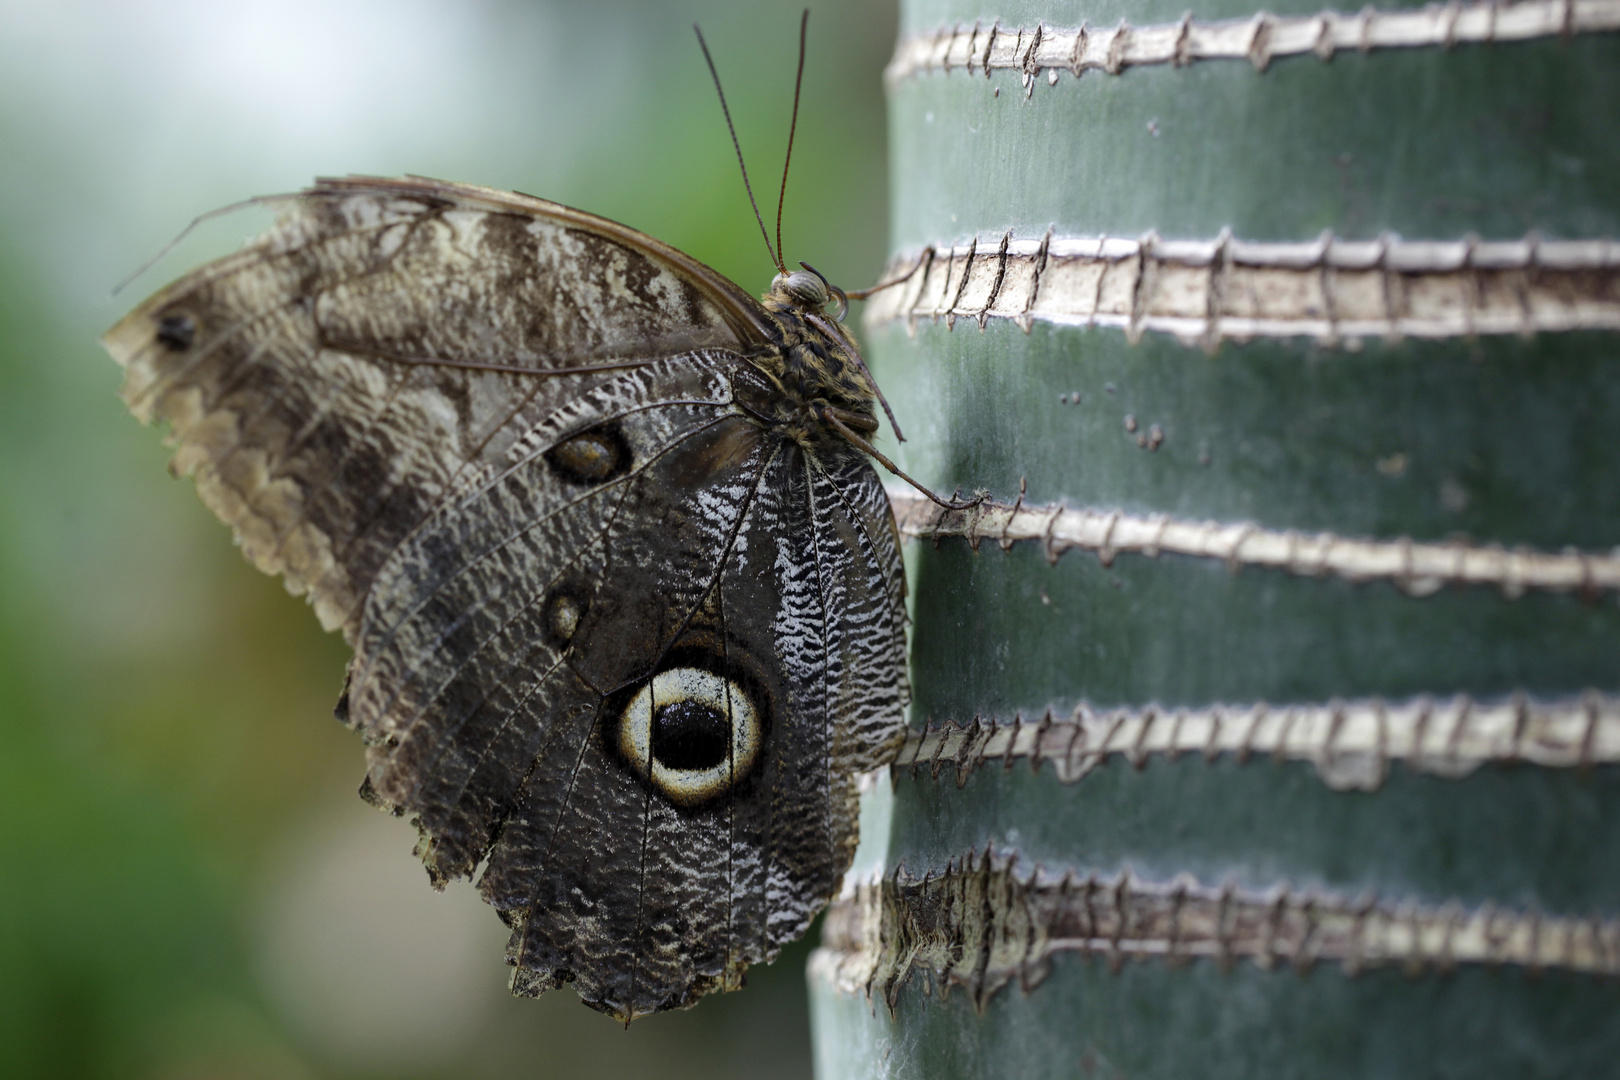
x=1302 y=330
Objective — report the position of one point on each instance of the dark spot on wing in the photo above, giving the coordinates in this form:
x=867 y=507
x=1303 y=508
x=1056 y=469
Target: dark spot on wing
x=508 y=250
x=177 y=331
x=695 y=313
x=704 y=455
x=639 y=274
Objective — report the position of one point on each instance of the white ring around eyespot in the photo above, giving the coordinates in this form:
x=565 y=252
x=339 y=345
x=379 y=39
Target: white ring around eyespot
x=690 y=786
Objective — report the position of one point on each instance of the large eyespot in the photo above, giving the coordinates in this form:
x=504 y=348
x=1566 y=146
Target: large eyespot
x=591 y=457
x=693 y=733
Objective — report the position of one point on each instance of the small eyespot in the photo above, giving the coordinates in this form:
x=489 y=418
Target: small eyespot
x=591 y=457
x=177 y=331
x=564 y=612
x=692 y=733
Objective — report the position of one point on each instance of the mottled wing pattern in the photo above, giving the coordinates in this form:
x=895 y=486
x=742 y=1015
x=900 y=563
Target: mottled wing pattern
x=515 y=558
x=518 y=604
x=643 y=904
x=283 y=370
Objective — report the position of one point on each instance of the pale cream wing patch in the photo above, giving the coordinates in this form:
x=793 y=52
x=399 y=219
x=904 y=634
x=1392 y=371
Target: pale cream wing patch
x=292 y=373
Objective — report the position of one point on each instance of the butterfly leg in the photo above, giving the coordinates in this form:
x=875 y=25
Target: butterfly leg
x=836 y=419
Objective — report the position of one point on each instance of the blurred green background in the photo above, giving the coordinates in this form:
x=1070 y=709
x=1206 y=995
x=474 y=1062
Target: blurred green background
x=188 y=886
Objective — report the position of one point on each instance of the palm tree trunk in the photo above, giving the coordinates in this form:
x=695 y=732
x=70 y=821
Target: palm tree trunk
x=1267 y=717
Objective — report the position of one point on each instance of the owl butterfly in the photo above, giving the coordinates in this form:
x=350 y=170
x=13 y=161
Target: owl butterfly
x=623 y=589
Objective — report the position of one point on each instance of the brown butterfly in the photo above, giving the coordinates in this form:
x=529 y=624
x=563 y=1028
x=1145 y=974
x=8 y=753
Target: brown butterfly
x=624 y=591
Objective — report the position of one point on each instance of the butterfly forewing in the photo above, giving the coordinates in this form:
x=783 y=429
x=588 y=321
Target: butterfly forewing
x=623 y=628
x=284 y=371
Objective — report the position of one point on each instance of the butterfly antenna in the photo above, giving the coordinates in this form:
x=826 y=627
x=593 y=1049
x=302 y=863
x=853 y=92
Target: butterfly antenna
x=704 y=45
x=793 y=125
x=258 y=200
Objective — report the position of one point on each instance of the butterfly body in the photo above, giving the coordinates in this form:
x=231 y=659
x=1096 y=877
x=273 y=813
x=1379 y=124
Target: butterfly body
x=813 y=365
x=625 y=599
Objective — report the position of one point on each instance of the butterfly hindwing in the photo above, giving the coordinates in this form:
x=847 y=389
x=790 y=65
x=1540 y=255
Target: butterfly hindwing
x=643 y=901
x=479 y=608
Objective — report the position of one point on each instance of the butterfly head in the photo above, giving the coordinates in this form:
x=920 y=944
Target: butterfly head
x=809 y=290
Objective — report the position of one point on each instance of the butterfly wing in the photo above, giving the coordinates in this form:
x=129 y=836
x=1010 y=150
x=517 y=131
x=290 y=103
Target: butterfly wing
x=286 y=371
x=500 y=668
x=524 y=564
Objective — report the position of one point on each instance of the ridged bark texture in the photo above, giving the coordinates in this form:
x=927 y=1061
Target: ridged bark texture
x=1267 y=716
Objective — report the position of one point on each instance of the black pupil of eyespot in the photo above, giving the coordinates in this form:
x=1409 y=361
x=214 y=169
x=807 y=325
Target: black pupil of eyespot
x=690 y=735
x=176 y=331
